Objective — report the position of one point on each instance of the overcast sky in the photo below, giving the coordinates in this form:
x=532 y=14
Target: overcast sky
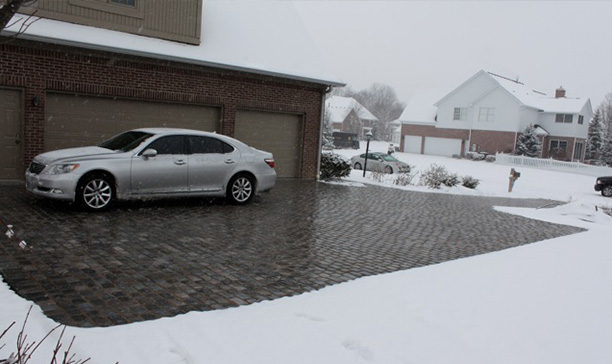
x=439 y=44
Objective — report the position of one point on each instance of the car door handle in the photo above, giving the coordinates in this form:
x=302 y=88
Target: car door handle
x=229 y=161
x=179 y=162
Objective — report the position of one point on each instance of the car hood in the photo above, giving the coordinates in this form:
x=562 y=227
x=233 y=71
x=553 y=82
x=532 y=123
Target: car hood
x=71 y=154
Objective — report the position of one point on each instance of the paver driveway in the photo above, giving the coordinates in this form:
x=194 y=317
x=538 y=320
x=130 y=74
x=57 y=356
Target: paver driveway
x=147 y=260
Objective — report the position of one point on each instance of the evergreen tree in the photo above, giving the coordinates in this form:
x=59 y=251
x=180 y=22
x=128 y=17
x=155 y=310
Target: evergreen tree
x=606 y=150
x=594 y=137
x=527 y=143
x=328 y=137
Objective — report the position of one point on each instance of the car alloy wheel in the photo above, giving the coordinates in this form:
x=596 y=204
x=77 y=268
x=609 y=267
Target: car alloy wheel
x=357 y=165
x=607 y=191
x=241 y=189
x=96 y=193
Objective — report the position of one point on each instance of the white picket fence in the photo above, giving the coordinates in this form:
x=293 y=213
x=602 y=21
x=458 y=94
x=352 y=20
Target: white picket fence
x=554 y=165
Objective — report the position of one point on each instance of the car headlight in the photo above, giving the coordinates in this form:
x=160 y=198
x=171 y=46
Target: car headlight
x=63 y=168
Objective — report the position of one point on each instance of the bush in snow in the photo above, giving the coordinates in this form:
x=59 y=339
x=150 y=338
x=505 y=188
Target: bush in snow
x=404 y=179
x=490 y=158
x=469 y=182
x=475 y=156
x=378 y=175
x=333 y=166
x=436 y=176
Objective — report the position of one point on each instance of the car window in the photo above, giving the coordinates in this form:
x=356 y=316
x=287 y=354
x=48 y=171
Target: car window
x=208 y=145
x=125 y=141
x=389 y=158
x=173 y=144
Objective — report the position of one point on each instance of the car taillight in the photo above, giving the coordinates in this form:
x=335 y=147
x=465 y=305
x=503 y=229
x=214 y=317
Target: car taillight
x=270 y=162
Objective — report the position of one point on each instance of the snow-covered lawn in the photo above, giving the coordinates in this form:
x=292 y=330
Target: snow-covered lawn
x=548 y=302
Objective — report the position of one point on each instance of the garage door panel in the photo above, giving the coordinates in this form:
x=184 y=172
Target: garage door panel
x=279 y=134
x=446 y=147
x=412 y=144
x=78 y=120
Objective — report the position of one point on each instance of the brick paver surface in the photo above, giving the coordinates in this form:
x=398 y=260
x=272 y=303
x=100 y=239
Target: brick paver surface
x=145 y=260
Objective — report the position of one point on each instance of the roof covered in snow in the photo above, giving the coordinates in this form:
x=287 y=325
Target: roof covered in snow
x=259 y=37
x=339 y=108
x=421 y=107
x=539 y=100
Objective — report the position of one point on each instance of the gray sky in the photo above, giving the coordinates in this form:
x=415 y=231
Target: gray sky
x=439 y=44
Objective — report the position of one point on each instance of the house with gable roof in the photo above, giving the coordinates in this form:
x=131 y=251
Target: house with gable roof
x=347 y=115
x=487 y=113
x=73 y=73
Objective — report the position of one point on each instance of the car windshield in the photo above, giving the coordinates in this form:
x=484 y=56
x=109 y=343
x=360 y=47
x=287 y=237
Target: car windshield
x=125 y=141
x=388 y=158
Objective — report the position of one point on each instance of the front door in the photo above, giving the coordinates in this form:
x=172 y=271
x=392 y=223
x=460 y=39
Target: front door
x=11 y=138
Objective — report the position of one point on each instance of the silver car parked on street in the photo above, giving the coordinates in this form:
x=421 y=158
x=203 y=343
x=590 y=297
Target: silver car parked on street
x=153 y=162
x=380 y=162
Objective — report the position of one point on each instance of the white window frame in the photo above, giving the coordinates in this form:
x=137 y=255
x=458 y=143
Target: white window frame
x=460 y=113
x=564 y=118
x=486 y=114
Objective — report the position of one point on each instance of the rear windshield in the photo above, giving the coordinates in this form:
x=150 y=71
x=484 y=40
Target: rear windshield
x=125 y=142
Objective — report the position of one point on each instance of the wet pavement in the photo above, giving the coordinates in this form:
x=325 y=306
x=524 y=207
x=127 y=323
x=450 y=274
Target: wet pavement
x=145 y=260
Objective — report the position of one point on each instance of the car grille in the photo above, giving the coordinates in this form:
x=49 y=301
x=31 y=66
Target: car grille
x=36 y=168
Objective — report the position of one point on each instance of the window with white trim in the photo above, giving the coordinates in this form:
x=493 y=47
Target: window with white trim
x=460 y=113
x=578 y=151
x=580 y=119
x=486 y=114
x=564 y=118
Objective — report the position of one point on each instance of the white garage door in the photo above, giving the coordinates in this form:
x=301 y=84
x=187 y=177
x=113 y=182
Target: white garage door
x=78 y=120
x=279 y=134
x=442 y=146
x=412 y=144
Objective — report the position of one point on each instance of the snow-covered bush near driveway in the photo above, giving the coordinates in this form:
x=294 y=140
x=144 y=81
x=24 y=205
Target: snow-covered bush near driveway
x=334 y=166
x=404 y=179
x=436 y=176
x=469 y=182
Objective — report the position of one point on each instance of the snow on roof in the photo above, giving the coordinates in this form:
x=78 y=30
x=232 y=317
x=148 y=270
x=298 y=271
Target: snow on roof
x=421 y=107
x=539 y=100
x=266 y=37
x=339 y=107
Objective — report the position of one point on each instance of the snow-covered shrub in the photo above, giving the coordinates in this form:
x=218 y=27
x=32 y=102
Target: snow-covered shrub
x=490 y=158
x=404 y=179
x=334 y=166
x=436 y=176
x=378 y=176
x=469 y=182
x=475 y=156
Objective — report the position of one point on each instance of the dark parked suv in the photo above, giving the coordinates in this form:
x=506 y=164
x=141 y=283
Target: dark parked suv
x=604 y=184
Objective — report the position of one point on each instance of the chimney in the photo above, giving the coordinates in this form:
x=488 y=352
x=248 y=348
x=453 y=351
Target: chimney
x=560 y=92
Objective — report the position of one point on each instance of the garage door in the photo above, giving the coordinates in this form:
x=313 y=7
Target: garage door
x=11 y=154
x=78 y=120
x=279 y=134
x=442 y=146
x=412 y=144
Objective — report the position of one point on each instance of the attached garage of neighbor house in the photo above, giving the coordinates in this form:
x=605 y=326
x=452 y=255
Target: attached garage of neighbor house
x=277 y=133
x=446 y=147
x=412 y=144
x=73 y=120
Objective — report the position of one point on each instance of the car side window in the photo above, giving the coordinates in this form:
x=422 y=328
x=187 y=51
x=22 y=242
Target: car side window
x=207 y=145
x=173 y=144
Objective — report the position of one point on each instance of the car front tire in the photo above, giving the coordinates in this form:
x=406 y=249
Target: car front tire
x=388 y=170
x=96 y=192
x=607 y=191
x=357 y=165
x=240 y=189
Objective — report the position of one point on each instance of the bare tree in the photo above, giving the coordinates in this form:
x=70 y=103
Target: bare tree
x=9 y=9
x=381 y=100
x=606 y=114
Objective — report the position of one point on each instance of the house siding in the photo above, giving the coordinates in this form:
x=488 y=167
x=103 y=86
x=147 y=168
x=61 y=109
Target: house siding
x=37 y=68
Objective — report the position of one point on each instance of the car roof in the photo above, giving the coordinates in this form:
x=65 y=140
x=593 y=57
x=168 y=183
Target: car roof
x=175 y=131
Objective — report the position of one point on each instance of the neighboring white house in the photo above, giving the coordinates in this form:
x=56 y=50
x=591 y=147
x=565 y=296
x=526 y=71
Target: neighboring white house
x=487 y=112
x=349 y=116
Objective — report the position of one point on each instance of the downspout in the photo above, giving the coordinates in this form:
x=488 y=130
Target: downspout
x=321 y=127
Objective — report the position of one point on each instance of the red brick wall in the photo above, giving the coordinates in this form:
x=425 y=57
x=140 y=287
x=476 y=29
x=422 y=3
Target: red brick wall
x=38 y=68
x=567 y=156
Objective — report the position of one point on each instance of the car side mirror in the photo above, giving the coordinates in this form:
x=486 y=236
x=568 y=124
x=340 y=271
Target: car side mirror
x=149 y=153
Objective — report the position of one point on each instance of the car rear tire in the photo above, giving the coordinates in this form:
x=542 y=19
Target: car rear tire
x=357 y=165
x=240 y=189
x=388 y=170
x=607 y=191
x=96 y=192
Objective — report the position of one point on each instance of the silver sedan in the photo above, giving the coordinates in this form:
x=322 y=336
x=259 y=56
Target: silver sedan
x=154 y=162
x=379 y=162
